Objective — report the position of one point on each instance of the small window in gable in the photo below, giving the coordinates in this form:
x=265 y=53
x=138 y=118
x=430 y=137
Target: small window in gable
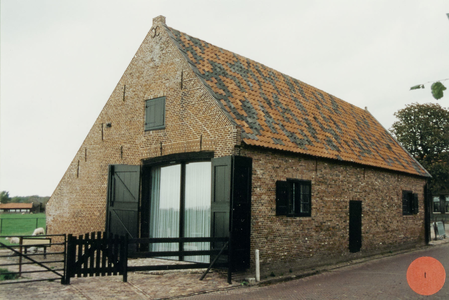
x=410 y=203
x=294 y=198
x=155 y=113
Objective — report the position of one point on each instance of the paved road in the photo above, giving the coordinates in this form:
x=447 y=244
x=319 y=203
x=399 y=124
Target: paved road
x=379 y=279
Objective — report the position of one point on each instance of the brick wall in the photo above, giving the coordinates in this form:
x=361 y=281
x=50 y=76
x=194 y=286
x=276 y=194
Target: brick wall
x=296 y=242
x=194 y=122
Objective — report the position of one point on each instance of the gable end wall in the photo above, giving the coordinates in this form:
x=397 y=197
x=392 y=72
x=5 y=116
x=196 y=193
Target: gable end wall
x=194 y=122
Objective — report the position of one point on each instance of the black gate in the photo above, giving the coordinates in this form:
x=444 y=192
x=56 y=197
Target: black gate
x=355 y=226
x=32 y=258
x=96 y=256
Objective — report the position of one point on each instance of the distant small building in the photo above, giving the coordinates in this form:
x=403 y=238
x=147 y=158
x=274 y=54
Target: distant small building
x=16 y=208
x=440 y=206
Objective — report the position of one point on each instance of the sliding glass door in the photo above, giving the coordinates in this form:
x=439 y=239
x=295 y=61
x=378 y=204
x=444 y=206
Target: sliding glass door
x=185 y=185
x=165 y=206
x=197 y=207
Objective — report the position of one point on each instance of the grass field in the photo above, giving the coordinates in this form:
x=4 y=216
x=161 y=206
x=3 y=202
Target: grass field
x=18 y=224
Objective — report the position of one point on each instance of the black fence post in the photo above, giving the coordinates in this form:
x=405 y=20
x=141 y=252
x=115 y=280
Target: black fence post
x=230 y=256
x=124 y=257
x=70 y=257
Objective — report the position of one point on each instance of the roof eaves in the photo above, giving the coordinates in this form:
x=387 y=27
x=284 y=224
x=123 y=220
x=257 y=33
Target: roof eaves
x=427 y=174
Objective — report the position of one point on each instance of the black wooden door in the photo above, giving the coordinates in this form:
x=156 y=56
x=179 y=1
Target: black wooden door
x=231 y=206
x=241 y=212
x=123 y=200
x=355 y=226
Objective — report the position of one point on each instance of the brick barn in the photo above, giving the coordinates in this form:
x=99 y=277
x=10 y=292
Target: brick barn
x=197 y=141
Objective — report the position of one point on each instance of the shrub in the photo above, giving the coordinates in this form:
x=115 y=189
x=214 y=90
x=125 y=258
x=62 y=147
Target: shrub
x=6 y=275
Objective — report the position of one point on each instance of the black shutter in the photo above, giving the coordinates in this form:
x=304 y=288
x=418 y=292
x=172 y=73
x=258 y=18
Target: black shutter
x=220 y=200
x=415 y=202
x=123 y=200
x=241 y=212
x=405 y=203
x=231 y=207
x=282 y=188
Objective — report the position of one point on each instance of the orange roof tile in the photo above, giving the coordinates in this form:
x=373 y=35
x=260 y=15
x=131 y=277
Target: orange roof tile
x=280 y=112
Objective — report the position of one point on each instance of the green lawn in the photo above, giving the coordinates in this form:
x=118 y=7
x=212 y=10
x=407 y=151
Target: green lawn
x=18 y=224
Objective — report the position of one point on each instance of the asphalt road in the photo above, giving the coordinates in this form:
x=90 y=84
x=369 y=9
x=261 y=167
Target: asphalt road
x=383 y=278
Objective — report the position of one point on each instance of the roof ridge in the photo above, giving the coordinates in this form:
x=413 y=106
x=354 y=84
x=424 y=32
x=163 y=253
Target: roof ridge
x=275 y=110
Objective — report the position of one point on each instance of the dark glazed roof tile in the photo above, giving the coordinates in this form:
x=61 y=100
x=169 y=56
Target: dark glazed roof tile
x=280 y=112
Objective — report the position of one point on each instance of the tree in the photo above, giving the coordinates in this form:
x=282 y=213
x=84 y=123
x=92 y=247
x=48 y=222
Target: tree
x=437 y=89
x=4 y=197
x=423 y=130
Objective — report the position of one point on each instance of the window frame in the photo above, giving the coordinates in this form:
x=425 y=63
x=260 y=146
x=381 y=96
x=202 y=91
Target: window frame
x=410 y=203
x=436 y=204
x=156 y=103
x=446 y=203
x=289 y=201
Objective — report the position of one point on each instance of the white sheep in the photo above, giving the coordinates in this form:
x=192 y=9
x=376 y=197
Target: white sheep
x=13 y=240
x=39 y=231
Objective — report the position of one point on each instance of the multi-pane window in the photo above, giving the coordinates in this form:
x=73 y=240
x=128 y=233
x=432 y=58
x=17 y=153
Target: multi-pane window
x=410 y=203
x=294 y=198
x=155 y=113
x=436 y=204
x=181 y=206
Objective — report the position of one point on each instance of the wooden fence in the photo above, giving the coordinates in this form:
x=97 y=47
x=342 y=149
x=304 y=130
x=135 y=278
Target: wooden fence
x=100 y=255
x=24 y=265
x=97 y=255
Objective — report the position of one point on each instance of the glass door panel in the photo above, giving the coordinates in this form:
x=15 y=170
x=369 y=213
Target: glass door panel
x=197 y=207
x=165 y=206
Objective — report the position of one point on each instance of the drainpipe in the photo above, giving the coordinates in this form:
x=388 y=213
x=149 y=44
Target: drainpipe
x=257 y=266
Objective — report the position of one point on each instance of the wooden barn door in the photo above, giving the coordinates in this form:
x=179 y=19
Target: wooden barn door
x=355 y=226
x=231 y=206
x=123 y=200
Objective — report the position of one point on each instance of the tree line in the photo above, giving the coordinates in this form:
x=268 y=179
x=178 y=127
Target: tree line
x=36 y=200
x=423 y=130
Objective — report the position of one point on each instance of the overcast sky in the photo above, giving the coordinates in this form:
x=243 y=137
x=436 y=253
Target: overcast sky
x=61 y=60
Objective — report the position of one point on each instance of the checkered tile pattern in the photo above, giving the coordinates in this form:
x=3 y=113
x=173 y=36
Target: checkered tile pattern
x=280 y=112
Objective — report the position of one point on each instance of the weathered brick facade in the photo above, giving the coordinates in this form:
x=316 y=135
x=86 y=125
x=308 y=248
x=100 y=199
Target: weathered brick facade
x=295 y=242
x=199 y=119
x=194 y=122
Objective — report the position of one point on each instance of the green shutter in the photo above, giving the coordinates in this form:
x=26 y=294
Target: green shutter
x=123 y=201
x=155 y=114
x=282 y=192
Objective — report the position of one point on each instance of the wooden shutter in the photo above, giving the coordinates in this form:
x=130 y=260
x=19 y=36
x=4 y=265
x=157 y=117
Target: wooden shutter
x=282 y=194
x=123 y=200
x=231 y=207
x=221 y=198
x=241 y=212
x=155 y=113
x=405 y=203
x=415 y=203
